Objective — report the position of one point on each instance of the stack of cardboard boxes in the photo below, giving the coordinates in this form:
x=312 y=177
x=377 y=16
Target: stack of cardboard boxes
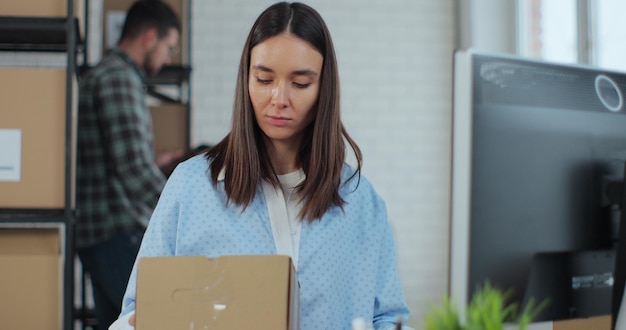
x=33 y=163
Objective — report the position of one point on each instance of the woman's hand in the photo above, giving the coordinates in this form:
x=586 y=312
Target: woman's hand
x=126 y=322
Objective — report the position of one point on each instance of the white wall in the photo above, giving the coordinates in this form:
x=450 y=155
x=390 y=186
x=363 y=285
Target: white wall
x=488 y=25
x=395 y=60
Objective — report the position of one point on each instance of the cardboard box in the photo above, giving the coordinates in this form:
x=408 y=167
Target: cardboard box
x=226 y=293
x=34 y=106
x=169 y=124
x=592 y=323
x=114 y=13
x=31 y=279
x=40 y=8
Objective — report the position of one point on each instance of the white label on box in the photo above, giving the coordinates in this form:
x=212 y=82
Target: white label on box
x=10 y=154
x=114 y=25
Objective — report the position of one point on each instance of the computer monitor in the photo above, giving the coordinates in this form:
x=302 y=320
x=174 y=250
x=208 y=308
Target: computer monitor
x=535 y=145
x=618 y=195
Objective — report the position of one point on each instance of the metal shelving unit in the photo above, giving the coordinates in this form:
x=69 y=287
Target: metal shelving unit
x=57 y=35
x=47 y=34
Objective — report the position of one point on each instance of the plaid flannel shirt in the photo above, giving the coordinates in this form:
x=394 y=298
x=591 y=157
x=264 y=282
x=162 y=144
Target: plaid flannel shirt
x=117 y=182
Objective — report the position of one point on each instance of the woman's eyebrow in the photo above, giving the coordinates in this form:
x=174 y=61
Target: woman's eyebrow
x=261 y=67
x=303 y=72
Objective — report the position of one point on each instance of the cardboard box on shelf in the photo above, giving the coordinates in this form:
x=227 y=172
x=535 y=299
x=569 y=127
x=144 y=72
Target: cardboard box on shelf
x=169 y=124
x=114 y=13
x=33 y=126
x=31 y=279
x=228 y=293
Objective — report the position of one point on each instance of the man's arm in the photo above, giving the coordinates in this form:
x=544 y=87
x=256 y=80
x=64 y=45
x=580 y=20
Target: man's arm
x=127 y=129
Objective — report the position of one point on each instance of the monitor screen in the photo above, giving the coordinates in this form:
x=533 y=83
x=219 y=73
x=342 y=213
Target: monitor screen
x=534 y=146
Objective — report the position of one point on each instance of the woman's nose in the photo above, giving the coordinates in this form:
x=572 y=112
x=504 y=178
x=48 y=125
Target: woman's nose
x=280 y=96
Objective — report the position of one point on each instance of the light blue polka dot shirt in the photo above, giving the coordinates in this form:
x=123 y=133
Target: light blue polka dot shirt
x=347 y=262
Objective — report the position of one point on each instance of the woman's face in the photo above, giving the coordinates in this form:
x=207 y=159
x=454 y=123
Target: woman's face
x=284 y=86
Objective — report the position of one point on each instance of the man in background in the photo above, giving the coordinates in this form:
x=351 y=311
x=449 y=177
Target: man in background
x=118 y=177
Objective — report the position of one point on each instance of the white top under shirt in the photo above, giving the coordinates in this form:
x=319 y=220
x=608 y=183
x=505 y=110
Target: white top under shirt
x=283 y=207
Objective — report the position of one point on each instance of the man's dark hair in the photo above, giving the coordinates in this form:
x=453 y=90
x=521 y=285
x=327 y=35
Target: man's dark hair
x=148 y=14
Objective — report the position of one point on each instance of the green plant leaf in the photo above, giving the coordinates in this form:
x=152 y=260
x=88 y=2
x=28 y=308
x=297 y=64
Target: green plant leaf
x=487 y=310
x=445 y=317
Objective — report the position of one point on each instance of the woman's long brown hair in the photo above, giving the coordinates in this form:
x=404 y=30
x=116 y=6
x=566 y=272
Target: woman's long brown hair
x=242 y=152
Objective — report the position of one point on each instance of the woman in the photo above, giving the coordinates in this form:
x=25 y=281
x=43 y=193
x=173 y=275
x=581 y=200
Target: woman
x=278 y=184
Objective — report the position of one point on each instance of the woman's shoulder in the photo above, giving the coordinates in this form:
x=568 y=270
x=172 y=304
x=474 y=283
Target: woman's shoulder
x=361 y=196
x=353 y=177
x=353 y=180
x=197 y=165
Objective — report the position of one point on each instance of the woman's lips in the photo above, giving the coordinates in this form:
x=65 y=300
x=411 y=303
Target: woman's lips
x=278 y=120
